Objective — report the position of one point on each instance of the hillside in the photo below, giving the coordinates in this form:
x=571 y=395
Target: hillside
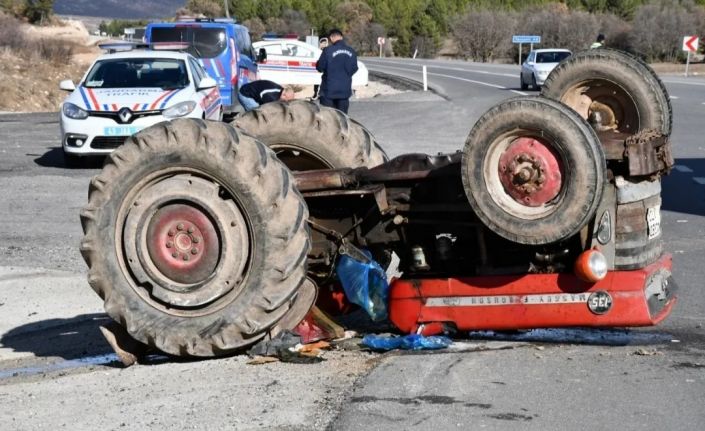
x=118 y=9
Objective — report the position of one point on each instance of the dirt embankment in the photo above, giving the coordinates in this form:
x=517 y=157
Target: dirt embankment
x=35 y=61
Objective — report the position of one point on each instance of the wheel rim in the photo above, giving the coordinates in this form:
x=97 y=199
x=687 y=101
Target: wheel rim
x=524 y=174
x=185 y=242
x=297 y=158
x=605 y=105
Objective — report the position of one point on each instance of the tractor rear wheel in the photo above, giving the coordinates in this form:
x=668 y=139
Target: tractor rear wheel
x=307 y=136
x=612 y=90
x=196 y=238
x=533 y=170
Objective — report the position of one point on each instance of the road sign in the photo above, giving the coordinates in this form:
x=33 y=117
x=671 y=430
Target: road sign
x=526 y=39
x=380 y=42
x=690 y=43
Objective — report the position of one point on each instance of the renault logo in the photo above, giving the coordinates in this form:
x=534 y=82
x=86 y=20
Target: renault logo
x=125 y=114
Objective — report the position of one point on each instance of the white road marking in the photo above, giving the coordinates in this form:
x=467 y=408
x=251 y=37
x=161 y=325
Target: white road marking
x=699 y=180
x=682 y=168
x=436 y=66
x=487 y=84
x=671 y=81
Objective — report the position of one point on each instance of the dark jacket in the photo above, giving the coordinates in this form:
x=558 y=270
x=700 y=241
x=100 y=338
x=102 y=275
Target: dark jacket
x=262 y=91
x=338 y=63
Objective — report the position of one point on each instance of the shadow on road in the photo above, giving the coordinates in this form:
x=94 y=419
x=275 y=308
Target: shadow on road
x=66 y=338
x=681 y=192
x=54 y=158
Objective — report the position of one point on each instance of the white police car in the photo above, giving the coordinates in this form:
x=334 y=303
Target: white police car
x=125 y=91
x=290 y=61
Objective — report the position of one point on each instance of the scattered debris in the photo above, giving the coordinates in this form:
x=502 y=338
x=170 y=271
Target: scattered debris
x=694 y=365
x=127 y=349
x=647 y=352
x=260 y=360
x=317 y=325
x=287 y=347
x=350 y=344
x=407 y=342
x=364 y=281
x=594 y=336
x=274 y=346
x=313 y=349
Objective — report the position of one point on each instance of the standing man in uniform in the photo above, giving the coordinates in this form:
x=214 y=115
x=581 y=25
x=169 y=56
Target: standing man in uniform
x=338 y=63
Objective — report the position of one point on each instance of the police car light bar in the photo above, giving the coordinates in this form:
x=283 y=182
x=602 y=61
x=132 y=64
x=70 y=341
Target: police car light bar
x=194 y=19
x=274 y=36
x=169 y=46
x=113 y=47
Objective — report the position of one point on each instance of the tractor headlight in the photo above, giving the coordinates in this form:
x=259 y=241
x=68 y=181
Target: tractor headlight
x=591 y=266
x=180 y=109
x=72 y=111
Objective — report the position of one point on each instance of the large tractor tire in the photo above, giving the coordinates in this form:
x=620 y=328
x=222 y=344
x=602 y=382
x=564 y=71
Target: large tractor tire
x=612 y=90
x=306 y=136
x=196 y=238
x=533 y=170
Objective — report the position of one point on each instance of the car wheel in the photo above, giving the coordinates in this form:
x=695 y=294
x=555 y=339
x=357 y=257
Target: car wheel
x=522 y=83
x=534 y=85
x=533 y=170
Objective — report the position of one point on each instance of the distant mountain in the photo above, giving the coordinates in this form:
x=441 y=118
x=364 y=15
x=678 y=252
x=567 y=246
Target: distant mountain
x=119 y=9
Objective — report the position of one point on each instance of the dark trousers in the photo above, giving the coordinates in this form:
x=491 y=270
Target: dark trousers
x=339 y=104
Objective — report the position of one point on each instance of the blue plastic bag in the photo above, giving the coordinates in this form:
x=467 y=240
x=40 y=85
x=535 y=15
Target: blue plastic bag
x=365 y=284
x=407 y=342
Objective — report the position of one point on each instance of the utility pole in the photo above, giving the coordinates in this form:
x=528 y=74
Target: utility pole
x=227 y=12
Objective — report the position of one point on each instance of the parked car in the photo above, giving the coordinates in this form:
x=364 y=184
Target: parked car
x=222 y=47
x=539 y=63
x=290 y=61
x=126 y=91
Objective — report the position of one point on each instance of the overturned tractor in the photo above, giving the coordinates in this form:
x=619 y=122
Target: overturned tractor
x=204 y=238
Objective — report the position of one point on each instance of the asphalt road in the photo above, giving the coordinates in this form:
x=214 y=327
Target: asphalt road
x=54 y=372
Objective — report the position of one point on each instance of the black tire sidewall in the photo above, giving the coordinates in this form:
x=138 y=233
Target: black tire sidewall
x=634 y=77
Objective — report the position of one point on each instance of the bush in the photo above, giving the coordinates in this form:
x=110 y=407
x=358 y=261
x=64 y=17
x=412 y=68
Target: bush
x=484 y=35
x=659 y=28
x=13 y=38
x=11 y=35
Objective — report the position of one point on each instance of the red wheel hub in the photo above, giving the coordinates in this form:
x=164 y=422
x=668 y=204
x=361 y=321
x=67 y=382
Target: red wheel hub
x=531 y=172
x=183 y=243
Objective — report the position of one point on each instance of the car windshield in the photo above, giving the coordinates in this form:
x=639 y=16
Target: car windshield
x=163 y=73
x=202 y=42
x=551 y=56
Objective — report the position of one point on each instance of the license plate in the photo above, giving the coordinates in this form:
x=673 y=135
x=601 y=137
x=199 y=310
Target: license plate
x=121 y=130
x=653 y=222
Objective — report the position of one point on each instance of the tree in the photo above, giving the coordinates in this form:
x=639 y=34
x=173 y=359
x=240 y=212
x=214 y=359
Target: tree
x=209 y=8
x=659 y=28
x=256 y=28
x=363 y=37
x=483 y=35
x=574 y=30
x=38 y=11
